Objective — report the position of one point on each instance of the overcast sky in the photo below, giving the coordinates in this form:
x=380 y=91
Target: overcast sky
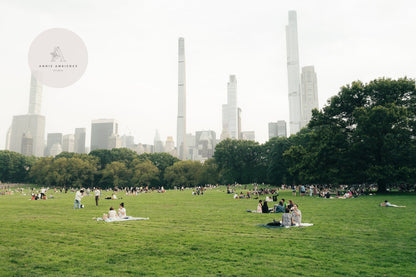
x=132 y=47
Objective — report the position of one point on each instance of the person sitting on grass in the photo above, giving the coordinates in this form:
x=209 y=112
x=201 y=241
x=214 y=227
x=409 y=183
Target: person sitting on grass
x=265 y=208
x=286 y=220
x=122 y=211
x=388 y=204
x=112 y=215
x=279 y=208
x=296 y=216
x=259 y=208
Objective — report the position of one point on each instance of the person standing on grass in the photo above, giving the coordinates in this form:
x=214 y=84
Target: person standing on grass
x=97 y=194
x=78 y=195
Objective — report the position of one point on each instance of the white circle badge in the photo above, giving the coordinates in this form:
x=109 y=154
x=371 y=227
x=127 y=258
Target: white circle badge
x=58 y=57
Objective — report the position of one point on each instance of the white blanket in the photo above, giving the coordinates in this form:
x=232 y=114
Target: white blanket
x=122 y=219
x=301 y=225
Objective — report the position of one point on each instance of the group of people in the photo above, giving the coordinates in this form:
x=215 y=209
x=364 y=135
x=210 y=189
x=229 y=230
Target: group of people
x=292 y=216
x=113 y=215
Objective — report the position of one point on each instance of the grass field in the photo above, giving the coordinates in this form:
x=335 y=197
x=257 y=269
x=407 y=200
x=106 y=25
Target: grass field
x=208 y=235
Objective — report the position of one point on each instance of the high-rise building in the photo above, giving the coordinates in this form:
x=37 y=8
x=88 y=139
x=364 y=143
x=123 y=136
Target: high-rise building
x=248 y=135
x=79 y=140
x=205 y=142
x=230 y=112
x=309 y=93
x=27 y=144
x=53 y=139
x=32 y=123
x=114 y=141
x=190 y=144
x=181 y=120
x=158 y=146
x=277 y=129
x=127 y=141
x=239 y=123
x=35 y=98
x=102 y=130
x=8 y=137
x=68 y=143
x=170 y=146
x=295 y=111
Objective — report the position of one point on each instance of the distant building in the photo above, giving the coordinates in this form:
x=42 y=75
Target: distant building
x=170 y=146
x=8 y=137
x=114 y=141
x=295 y=111
x=56 y=149
x=127 y=141
x=190 y=143
x=32 y=123
x=239 y=123
x=28 y=123
x=205 y=142
x=102 y=130
x=248 y=135
x=309 y=93
x=230 y=112
x=53 y=139
x=27 y=144
x=79 y=140
x=181 y=119
x=158 y=146
x=68 y=143
x=277 y=129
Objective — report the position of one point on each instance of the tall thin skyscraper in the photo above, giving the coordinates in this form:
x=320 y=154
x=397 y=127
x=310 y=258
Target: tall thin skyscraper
x=295 y=111
x=32 y=123
x=230 y=112
x=309 y=93
x=35 y=99
x=181 y=120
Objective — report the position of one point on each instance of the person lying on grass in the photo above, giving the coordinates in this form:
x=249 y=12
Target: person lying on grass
x=388 y=204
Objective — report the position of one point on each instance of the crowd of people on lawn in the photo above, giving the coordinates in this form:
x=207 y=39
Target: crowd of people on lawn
x=291 y=215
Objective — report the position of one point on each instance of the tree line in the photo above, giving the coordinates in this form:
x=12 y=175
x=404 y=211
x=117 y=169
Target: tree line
x=363 y=135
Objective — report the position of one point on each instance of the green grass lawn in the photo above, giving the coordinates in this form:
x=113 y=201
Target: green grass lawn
x=209 y=235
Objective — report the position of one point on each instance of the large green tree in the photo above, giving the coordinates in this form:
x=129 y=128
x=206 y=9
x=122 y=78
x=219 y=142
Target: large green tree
x=183 y=173
x=366 y=134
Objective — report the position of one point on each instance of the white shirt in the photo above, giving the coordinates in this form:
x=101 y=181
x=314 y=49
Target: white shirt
x=112 y=214
x=122 y=212
x=97 y=192
x=78 y=196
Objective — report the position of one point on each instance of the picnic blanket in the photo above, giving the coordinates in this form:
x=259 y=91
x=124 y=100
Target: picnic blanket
x=127 y=218
x=274 y=227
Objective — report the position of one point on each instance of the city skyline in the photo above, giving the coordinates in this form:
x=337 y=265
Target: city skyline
x=134 y=78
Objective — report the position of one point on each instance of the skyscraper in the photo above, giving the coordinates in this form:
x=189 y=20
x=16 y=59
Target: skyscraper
x=277 y=129
x=68 y=143
x=54 y=140
x=32 y=123
x=181 y=120
x=158 y=146
x=295 y=111
x=104 y=134
x=230 y=112
x=79 y=140
x=309 y=93
x=205 y=142
x=35 y=98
